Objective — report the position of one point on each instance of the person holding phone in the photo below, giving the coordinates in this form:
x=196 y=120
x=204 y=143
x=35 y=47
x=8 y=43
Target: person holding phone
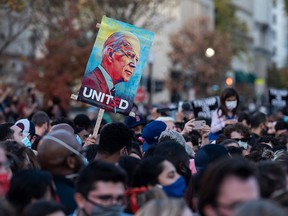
x=226 y=114
x=200 y=126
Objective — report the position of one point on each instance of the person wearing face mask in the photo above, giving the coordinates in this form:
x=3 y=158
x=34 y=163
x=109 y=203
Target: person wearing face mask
x=100 y=190
x=177 y=155
x=226 y=114
x=59 y=153
x=19 y=137
x=159 y=171
x=135 y=124
x=5 y=173
x=24 y=132
x=239 y=133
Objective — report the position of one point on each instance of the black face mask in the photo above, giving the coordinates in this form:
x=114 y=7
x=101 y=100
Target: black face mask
x=137 y=135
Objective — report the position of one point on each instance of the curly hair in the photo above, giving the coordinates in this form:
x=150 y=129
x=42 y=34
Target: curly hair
x=237 y=127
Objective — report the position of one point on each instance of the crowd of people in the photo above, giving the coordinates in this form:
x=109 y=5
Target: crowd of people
x=235 y=166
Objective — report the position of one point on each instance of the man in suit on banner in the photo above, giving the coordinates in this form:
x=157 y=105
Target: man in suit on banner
x=120 y=56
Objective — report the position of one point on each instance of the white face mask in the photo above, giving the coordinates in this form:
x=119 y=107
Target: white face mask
x=243 y=144
x=231 y=104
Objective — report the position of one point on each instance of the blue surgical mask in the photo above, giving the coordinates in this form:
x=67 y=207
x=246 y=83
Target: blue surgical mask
x=79 y=139
x=176 y=189
x=26 y=142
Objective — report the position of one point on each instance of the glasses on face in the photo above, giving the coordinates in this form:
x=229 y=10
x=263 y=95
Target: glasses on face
x=108 y=199
x=241 y=139
x=128 y=51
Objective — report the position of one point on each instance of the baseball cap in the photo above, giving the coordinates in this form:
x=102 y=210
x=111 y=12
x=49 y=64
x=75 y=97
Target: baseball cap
x=26 y=126
x=151 y=132
x=132 y=122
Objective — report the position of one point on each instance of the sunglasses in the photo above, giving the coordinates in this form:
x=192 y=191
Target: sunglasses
x=241 y=139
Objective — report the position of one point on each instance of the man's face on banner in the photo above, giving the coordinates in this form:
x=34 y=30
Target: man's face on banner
x=125 y=59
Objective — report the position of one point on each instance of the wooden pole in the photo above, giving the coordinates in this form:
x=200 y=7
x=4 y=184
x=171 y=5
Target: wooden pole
x=98 y=122
x=99 y=118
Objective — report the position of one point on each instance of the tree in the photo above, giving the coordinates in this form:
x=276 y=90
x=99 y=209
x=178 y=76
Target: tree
x=277 y=78
x=189 y=47
x=144 y=13
x=286 y=5
x=284 y=77
x=228 y=23
x=61 y=69
x=15 y=18
x=71 y=26
x=66 y=52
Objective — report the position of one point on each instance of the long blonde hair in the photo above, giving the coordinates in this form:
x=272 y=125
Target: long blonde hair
x=163 y=207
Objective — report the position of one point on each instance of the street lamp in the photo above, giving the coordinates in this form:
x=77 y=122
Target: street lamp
x=209 y=52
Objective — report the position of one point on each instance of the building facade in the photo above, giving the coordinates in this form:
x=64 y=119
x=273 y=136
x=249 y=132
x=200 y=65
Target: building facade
x=279 y=25
x=266 y=39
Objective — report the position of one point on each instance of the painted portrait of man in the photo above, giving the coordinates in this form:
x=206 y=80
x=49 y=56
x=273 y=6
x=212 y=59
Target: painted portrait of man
x=115 y=66
x=119 y=60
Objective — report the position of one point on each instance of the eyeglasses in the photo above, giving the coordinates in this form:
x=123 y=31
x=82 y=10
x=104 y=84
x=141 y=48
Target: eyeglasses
x=108 y=199
x=129 y=54
x=241 y=139
x=128 y=51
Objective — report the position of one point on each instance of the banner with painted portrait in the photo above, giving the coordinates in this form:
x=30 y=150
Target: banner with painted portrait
x=115 y=66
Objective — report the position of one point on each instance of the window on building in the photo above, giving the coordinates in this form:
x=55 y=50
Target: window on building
x=2 y=36
x=274 y=35
x=274 y=52
x=274 y=18
x=274 y=2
